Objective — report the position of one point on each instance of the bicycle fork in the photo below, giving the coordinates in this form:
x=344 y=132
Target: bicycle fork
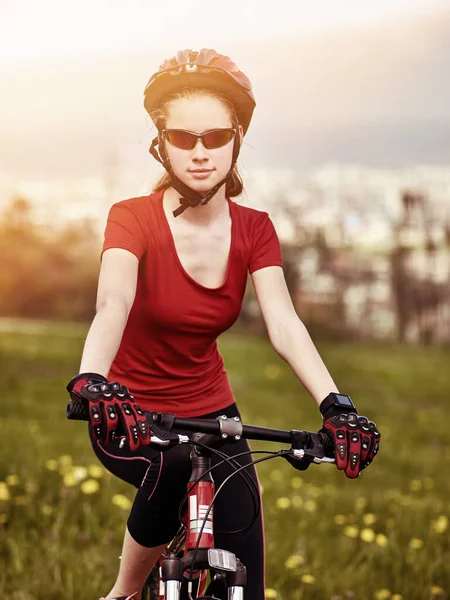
x=200 y=554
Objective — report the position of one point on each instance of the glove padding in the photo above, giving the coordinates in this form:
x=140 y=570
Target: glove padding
x=113 y=411
x=356 y=439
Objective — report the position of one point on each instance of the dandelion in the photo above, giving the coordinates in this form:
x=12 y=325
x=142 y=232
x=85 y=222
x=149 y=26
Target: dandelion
x=383 y=594
x=121 y=501
x=297 y=501
x=340 y=519
x=440 y=524
x=271 y=593
x=282 y=503
x=294 y=561
x=296 y=482
x=381 y=540
x=51 y=464
x=65 y=459
x=311 y=506
x=272 y=371
x=79 y=473
x=276 y=475
x=415 y=485
x=90 y=486
x=46 y=509
x=367 y=535
x=310 y=579
x=436 y=590
x=69 y=479
x=4 y=491
x=351 y=531
x=96 y=471
x=415 y=544
x=12 y=480
x=369 y=519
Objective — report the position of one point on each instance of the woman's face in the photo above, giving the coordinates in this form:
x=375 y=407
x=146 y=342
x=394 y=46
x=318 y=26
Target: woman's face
x=200 y=168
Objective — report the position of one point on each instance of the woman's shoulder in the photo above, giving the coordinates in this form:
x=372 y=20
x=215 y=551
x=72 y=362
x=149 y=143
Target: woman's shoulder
x=248 y=213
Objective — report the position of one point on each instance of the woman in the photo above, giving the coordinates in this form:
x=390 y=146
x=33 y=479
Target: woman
x=171 y=281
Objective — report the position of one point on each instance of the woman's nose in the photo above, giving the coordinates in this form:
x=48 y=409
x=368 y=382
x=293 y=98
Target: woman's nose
x=199 y=151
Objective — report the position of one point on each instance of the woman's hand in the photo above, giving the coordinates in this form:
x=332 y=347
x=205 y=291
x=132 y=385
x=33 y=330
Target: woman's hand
x=112 y=409
x=356 y=439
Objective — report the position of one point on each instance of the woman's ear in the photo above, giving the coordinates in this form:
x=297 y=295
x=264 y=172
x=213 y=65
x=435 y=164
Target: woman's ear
x=241 y=135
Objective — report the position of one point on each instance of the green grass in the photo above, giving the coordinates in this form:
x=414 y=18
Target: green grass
x=56 y=541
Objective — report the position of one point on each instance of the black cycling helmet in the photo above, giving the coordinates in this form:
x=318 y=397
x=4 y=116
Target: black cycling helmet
x=204 y=70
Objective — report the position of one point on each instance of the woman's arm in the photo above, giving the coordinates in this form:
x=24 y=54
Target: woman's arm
x=289 y=335
x=115 y=296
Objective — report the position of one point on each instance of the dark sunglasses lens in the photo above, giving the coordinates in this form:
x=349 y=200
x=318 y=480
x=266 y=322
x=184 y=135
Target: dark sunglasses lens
x=181 y=139
x=218 y=138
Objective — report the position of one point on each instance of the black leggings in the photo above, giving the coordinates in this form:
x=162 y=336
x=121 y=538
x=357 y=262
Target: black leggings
x=161 y=479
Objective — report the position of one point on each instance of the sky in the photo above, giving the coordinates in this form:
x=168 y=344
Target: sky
x=51 y=30
x=335 y=80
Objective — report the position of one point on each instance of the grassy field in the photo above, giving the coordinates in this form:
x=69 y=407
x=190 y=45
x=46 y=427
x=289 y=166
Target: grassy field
x=383 y=536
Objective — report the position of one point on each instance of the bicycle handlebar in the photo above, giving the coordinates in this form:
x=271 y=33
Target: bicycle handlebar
x=79 y=411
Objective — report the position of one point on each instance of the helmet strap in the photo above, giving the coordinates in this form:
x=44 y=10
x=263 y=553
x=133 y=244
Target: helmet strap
x=189 y=197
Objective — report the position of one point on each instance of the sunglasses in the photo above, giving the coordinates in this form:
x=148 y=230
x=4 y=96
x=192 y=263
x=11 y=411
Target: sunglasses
x=186 y=140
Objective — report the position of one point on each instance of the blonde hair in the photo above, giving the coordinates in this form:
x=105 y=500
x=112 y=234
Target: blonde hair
x=234 y=186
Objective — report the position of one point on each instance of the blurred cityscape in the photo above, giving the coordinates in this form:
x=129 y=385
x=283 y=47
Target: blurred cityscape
x=366 y=250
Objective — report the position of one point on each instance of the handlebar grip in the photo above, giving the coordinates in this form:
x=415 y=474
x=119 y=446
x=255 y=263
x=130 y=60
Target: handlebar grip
x=327 y=443
x=77 y=411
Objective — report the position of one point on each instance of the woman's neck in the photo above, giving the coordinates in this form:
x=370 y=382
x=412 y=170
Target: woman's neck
x=201 y=214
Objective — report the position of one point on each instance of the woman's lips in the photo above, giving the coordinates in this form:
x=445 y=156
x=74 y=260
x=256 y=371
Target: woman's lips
x=201 y=173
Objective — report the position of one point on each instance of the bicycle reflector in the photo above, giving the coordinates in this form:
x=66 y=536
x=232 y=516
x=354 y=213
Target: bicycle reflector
x=222 y=559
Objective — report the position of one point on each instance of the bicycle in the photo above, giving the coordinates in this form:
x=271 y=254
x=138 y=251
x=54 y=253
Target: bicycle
x=182 y=569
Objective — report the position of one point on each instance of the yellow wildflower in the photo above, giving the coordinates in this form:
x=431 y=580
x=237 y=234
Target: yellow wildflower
x=415 y=544
x=381 y=540
x=396 y=597
x=296 y=482
x=272 y=371
x=12 y=479
x=46 y=509
x=51 y=464
x=367 y=535
x=360 y=503
x=383 y=594
x=121 y=501
x=308 y=579
x=271 y=593
x=340 y=519
x=436 y=590
x=276 y=475
x=65 y=459
x=351 y=531
x=282 y=503
x=297 y=501
x=440 y=524
x=369 y=518
x=294 y=561
x=69 y=479
x=4 y=491
x=90 y=486
x=415 y=485
x=96 y=471
x=311 y=505
x=79 y=473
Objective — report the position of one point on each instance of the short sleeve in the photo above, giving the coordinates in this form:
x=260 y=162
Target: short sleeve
x=266 y=251
x=124 y=230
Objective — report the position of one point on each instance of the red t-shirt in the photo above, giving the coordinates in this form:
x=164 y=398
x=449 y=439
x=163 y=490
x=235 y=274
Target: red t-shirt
x=168 y=356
